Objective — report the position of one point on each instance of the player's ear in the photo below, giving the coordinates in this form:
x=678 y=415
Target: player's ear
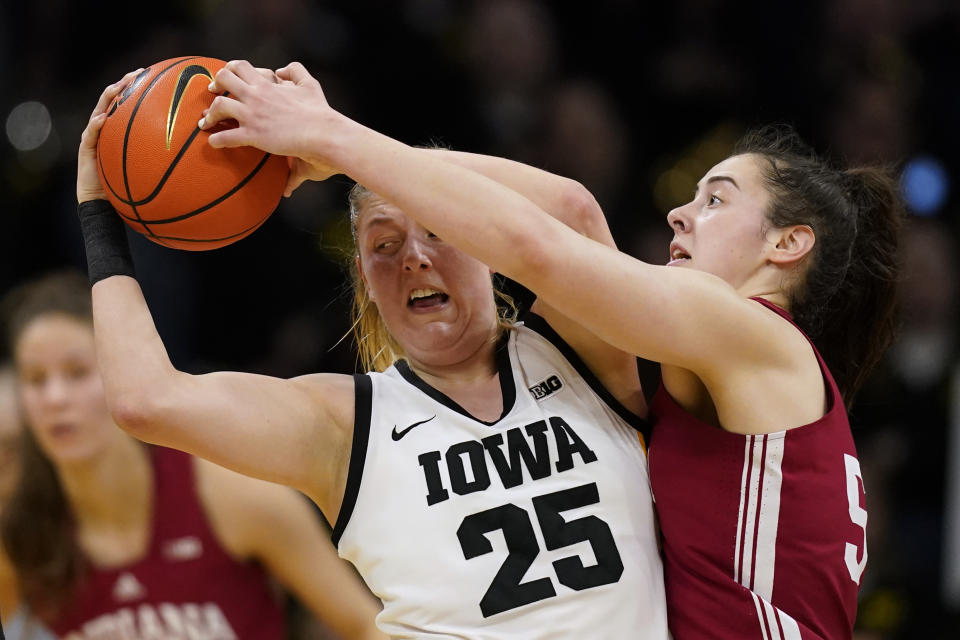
x=791 y=245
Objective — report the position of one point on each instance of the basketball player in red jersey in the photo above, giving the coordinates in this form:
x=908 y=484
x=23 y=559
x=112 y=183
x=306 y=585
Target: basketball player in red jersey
x=107 y=537
x=778 y=259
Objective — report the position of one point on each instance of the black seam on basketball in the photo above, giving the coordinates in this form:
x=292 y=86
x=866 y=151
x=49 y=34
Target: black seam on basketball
x=166 y=174
x=110 y=186
x=199 y=240
x=212 y=203
x=126 y=138
x=170 y=168
x=159 y=240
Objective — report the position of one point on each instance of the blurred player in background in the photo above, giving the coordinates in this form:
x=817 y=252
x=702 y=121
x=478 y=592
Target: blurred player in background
x=106 y=537
x=17 y=624
x=753 y=465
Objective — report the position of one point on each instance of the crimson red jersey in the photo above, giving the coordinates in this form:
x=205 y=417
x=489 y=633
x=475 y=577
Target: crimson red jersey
x=186 y=587
x=764 y=536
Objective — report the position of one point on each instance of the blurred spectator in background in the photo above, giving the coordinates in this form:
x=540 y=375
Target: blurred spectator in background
x=18 y=625
x=510 y=56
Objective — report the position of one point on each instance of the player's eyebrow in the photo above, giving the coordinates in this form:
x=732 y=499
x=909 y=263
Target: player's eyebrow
x=377 y=219
x=725 y=179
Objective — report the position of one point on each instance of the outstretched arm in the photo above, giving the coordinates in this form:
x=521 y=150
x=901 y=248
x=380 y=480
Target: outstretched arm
x=647 y=310
x=572 y=204
x=562 y=198
x=295 y=432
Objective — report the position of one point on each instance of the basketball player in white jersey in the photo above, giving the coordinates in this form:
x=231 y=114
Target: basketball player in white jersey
x=488 y=480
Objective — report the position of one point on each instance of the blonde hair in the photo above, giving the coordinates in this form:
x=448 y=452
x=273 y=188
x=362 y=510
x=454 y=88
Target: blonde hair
x=377 y=349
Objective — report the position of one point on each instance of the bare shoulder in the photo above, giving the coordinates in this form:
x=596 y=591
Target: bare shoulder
x=790 y=349
x=776 y=384
x=756 y=338
x=335 y=391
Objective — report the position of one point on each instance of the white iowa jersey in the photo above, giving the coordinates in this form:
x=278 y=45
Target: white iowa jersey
x=537 y=525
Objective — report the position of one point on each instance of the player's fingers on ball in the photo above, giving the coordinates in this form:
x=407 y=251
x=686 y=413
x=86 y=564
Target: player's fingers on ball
x=109 y=93
x=295 y=179
x=92 y=131
x=130 y=76
x=297 y=73
x=95 y=124
x=112 y=90
x=105 y=99
x=228 y=138
x=267 y=74
x=222 y=108
x=243 y=70
x=124 y=82
x=225 y=80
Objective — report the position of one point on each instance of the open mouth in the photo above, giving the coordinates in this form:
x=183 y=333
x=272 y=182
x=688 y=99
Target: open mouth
x=678 y=254
x=426 y=299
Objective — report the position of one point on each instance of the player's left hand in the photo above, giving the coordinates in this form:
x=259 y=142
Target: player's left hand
x=88 y=181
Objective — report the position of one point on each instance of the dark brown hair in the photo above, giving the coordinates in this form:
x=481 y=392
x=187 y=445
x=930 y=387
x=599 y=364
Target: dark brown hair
x=37 y=526
x=846 y=300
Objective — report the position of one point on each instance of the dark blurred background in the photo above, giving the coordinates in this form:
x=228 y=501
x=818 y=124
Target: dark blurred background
x=636 y=100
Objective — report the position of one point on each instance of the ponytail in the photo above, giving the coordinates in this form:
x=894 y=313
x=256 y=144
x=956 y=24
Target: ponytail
x=861 y=320
x=847 y=300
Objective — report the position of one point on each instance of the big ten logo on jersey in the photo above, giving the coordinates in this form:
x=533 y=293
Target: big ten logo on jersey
x=169 y=621
x=546 y=387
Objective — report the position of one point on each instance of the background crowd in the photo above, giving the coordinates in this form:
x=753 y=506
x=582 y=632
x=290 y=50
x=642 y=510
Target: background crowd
x=635 y=100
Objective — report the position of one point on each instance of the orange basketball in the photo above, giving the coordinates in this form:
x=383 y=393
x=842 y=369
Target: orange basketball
x=162 y=176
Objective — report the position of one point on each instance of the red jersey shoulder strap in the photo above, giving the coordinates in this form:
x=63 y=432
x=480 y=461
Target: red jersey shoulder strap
x=177 y=509
x=836 y=398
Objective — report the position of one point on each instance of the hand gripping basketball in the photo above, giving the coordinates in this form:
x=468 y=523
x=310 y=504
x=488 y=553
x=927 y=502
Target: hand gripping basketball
x=282 y=114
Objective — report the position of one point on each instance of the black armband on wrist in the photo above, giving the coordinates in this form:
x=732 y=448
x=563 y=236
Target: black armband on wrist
x=105 y=241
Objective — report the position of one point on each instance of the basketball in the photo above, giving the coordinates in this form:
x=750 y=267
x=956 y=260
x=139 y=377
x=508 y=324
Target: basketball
x=162 y=176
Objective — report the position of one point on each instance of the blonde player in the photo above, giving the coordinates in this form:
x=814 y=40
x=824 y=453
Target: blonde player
x=489 y=483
